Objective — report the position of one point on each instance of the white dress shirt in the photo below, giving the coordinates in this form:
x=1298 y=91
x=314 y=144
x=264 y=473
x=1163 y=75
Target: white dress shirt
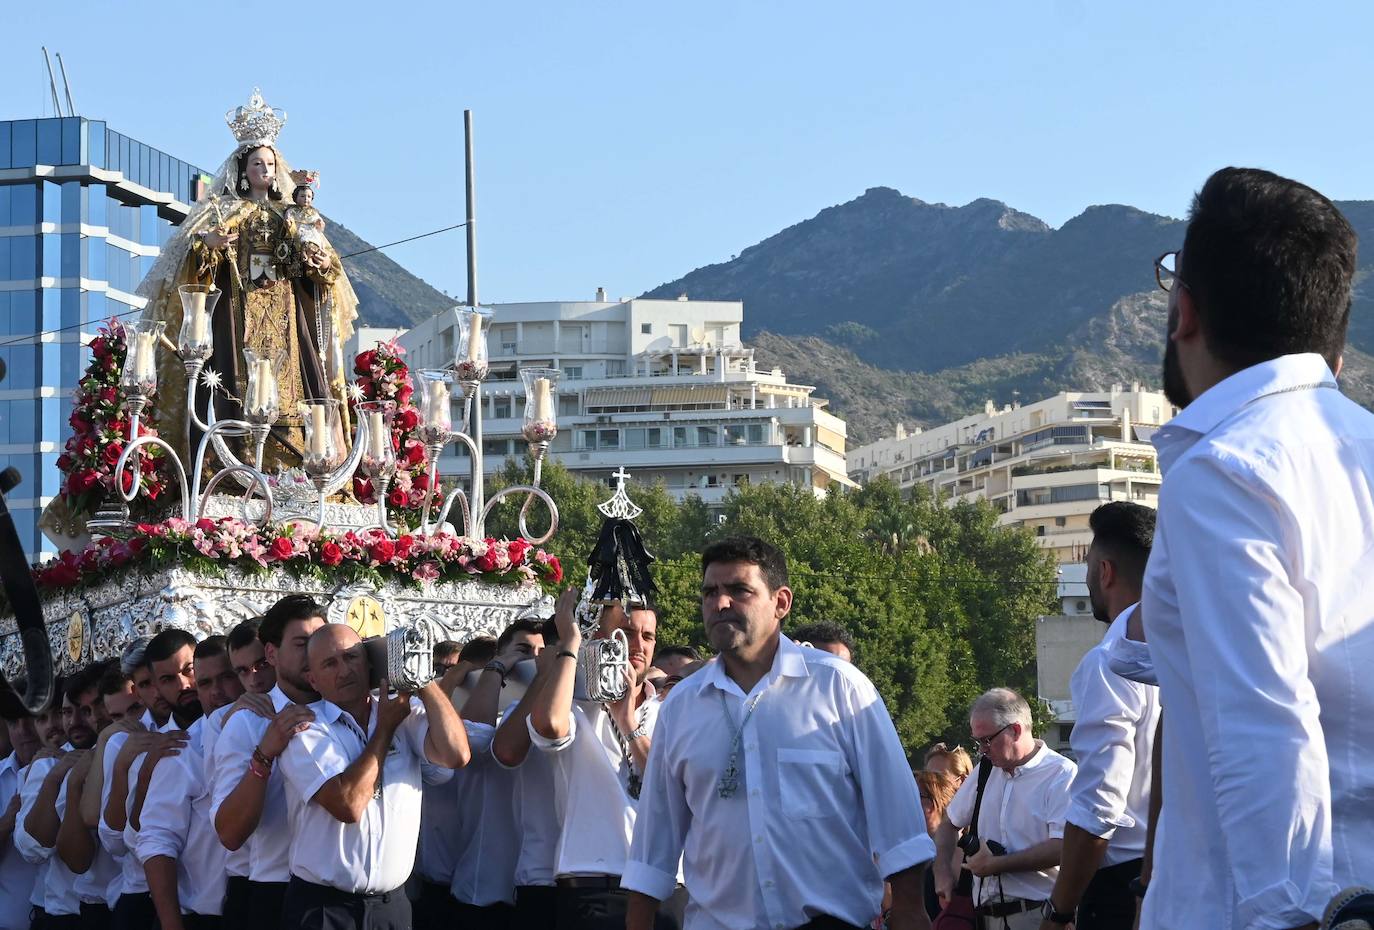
x=269 y=847
x=591 y=788
x=1260 y=617
x=18 y=876
x=1020 y=810
x=825 y=807
x=489 y=838
x=54 y=891
x=236 y=863
x=131 y=877
x=377 y=853
x=175 y=823
x=448 y=811
x=1112 y=741
x=537 y=817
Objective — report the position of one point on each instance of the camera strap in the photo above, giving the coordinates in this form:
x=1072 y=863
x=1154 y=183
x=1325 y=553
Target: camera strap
x=984 y=772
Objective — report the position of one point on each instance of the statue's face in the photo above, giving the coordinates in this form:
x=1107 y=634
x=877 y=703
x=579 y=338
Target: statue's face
x=305 y=197
x=261 y=168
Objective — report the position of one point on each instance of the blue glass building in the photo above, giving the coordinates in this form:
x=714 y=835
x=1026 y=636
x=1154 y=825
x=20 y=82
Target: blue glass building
x=83 y=213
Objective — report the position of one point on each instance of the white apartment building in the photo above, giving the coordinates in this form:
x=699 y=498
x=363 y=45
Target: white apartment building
x=663 y=387
x=1045 y=466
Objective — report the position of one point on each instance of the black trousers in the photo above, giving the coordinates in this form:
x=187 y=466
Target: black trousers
x=604 y=909
x=1108 y=903
x=61 y=921
x=94 y=917
x=134 y=912
x=826 y=922
x=202 y=921
x=318 y=907
x=236 y=891
x=265 y=903
x=536 y=907
x=433 y=910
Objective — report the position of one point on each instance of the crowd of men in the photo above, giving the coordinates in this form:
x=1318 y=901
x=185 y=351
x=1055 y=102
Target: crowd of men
x=269 y=779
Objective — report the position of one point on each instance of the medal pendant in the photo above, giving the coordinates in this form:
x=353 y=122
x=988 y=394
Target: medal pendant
x=634 y=786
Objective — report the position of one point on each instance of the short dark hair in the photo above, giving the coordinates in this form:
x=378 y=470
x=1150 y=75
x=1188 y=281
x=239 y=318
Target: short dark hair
x=669 y=652
x=292 y=607
x=113 y=681
x=769 y=558
x=528 y=625
x=76 y=684
x=446 y=648
x=824 y=631
x=1269 y=262
x=1124 y=531
x=212 y=646
x=243 y=633
x=479 y=649
x=167 y=644
x=299 y=188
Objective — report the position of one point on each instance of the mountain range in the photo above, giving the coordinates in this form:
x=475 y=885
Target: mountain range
x=901 y=310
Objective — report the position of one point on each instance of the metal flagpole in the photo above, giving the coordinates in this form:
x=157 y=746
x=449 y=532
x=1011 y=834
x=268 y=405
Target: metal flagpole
x=475 y=419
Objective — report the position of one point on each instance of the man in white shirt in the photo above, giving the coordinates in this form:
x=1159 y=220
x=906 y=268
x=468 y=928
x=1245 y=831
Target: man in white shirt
x=356 y=771
x=182 y=857
x=776 y=776
x=598 y=757
x=1024 y=804
x=1104 y=837
x=157 y=710
x=250 y=808
x=1256 y=603
x=18 y=876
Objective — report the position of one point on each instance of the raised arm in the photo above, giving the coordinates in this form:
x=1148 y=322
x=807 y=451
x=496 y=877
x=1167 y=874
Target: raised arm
x=446 y=742
x=551 y=711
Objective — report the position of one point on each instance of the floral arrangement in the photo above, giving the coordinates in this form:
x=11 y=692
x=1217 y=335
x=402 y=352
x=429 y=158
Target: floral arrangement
x=383 y=376
x=100 y=428
x=210 y=546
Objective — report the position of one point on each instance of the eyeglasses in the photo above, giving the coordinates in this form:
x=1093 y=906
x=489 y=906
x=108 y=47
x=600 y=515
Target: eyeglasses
x=1166 y=272
x=983 y=742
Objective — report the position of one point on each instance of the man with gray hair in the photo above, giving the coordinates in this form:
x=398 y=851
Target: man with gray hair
x=1015 y=810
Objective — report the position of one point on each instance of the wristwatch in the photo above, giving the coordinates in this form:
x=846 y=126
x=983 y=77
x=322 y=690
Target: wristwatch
x=499 y=668
x=1047 y=912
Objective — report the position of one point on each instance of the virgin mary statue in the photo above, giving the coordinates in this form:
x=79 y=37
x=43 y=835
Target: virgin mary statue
x=292 y=306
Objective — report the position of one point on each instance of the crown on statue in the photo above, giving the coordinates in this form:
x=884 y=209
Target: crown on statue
x=256 y=123
x=308 y=178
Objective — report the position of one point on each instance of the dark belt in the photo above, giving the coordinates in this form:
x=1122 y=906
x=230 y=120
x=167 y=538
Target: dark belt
x=329 y=893
x=1008 y=906
x=600 y=882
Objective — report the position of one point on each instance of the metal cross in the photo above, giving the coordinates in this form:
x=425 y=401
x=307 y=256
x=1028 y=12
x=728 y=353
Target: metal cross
x=620 y=506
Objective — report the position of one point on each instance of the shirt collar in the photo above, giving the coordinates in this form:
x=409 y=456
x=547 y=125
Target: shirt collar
x=1117 y=628
x=1230 y=394
x=10 y=761
x=1037 y=759
x=788 y=662
x=329 y=712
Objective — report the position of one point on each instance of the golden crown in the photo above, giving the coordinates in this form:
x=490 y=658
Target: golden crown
x=256 y=123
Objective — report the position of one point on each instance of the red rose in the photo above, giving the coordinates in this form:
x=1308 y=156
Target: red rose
x=382 y=551
x=555 y=569
x=111 y=453
x=404 y=543
x=108 y=395
x=365 y=385
x=362 y=490
x=404 y=394
x=420 y=482
x=280 y=548
x=119 y=426
x=99 y=347
x=331 y=554
x=407 y=419
x=414 y=454
x=120 y=554
x=61 y=575
x=397 y=498
x=82 y=481
x=517 y=549
x=486 y=562
x=363 y=364
x=64 y=462
x=126 y=481
x=206 y=525
x=79 y=422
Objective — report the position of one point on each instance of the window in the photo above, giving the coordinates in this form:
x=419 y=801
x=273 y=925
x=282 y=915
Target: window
x=706 y=435
x=1061 y=521
x=1040 y=529
x=608 y=439
x=567 y=405
x=589 y=440
x=572 y=372
x=646 y=328
x=679 y=332
x=500 y=408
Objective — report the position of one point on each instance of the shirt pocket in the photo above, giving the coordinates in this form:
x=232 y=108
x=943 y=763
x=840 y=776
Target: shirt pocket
x=809 y=781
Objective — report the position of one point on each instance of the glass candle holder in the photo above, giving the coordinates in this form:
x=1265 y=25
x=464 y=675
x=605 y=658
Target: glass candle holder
x=261 y=403
x=139 y=375
x=541 y=415
x=323 y=452
x=379 y=457
x=197 y=308
x=436 y=402
x=470 y=362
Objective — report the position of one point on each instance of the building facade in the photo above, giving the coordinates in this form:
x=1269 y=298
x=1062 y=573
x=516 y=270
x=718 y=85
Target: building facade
x=663 y=387
x=84 y=211
x=1045 y=466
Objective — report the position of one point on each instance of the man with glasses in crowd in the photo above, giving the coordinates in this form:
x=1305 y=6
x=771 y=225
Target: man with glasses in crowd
x=1020 y=823
x=1256 y=599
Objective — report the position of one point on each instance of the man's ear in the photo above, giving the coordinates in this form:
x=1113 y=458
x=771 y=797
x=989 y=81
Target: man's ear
x=1106 y=573
x=1340 y=363
x=782 y=601
x=1186 y=323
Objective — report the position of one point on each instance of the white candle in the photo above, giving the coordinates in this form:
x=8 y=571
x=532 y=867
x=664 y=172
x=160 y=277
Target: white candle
x=543 y=399
x=264 y=385
x=198 y=318
x=318 y=432
x=474 y=337
x=438 y=403
x=143 y=357
x=376 y=434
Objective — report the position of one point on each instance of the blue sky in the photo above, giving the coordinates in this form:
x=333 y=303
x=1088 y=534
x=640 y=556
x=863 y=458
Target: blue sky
x=621 y=144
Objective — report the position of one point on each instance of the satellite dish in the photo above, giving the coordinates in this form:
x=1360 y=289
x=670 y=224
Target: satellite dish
x=698 y=336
